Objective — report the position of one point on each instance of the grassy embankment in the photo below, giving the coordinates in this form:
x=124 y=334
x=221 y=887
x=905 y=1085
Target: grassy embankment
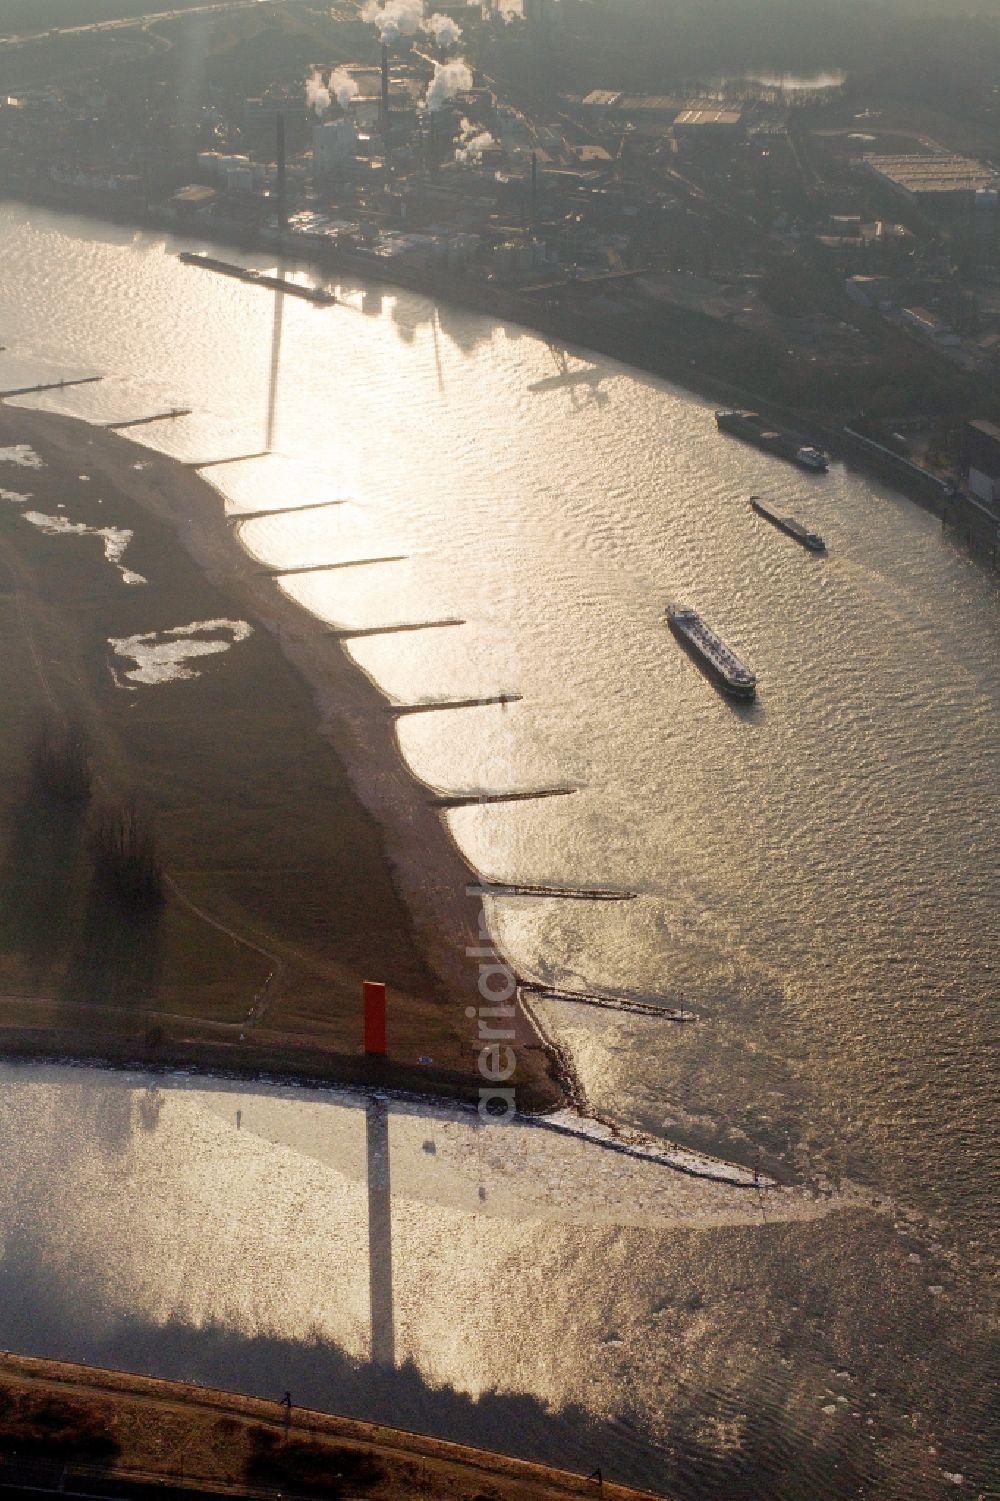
x=279 y=894
x=163 y=1431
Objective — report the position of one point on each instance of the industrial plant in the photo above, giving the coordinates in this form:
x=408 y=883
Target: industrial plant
x=805 y=245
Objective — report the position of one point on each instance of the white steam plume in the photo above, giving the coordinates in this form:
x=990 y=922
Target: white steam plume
x=343 y=87
x=449 y=79
x=473 y=142
x=317 y=94
x=443 y=29
x=394 y=19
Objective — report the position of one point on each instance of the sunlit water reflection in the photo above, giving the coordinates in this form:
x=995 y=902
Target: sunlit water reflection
x=817 y=875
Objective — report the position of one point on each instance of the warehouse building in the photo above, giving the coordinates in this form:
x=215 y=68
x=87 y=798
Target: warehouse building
x=334 y=145
x=260 y=118
x=648 y=109
x=599 y=103
x=981 y=460
x=937 y=180
x=707 y=119
x=924 y=322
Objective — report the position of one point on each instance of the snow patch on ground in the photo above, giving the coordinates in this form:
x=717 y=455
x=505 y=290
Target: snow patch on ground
x=23 y=454
x=14 y=497
x=162 y=656
x=115 y=538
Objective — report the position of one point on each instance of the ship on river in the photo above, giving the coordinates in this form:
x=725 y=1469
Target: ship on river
x=788 y=524
x=712 y=653
x=753 y=428
x=319 y=295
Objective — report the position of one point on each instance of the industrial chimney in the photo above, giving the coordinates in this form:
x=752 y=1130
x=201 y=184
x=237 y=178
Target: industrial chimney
x=282 y=185
x=534 y=192
x=384 y=106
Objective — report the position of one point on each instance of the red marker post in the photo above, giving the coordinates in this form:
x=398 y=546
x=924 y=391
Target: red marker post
x=375 y=1027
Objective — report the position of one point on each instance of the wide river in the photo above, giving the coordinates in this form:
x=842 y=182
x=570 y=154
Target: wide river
x=818 y=879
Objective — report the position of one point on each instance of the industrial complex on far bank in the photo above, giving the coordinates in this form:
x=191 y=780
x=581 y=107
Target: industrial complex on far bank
x=794 y=229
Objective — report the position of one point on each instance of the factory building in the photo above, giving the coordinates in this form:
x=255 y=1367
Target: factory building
x=334 y=144
x=981 y=460
x=260 y=121
x=930 y=325
x=545 y=16
x=404 y=96
x=460 y=11
x=478 y=104
x=516 y=258
x=708 y=120
x=872 y=292
x=190 y=203
x=647 y=109
x=237 y=174
x=436 y=250
x=600 y=103
x=937 y=180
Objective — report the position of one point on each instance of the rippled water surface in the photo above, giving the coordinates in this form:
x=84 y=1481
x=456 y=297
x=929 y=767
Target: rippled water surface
x=817 y=874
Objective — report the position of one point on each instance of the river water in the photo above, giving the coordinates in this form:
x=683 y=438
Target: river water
x=818 y=874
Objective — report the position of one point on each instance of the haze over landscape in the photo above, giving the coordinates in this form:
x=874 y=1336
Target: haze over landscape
x=499 y=510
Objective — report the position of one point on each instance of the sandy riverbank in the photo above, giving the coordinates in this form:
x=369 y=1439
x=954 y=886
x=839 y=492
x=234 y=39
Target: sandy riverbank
x=398 y=908
x=280 y=791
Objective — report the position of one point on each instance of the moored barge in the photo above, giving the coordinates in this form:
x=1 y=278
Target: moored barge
x=753 y=428
x=319 y=295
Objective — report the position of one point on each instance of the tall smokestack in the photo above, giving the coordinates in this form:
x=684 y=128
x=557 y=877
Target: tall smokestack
x=534 y=192
x=282 y=185
x=384 y=107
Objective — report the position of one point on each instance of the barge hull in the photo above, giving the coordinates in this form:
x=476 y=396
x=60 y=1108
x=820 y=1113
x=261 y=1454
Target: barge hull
x=784 y=445
x=788 y=524
x=711 y=654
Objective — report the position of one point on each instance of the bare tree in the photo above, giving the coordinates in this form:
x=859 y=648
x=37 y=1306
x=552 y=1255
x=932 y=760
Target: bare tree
x=126 y=857
x=60 y=760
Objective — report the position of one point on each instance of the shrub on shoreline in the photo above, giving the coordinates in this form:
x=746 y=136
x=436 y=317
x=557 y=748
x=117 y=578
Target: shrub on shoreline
x=60 y=760
x=37 y=1426
x=307 y=1466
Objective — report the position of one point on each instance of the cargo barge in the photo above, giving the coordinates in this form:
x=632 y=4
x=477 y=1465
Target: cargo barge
x=711 y=652
x=788 y=524
x=753 y=428
x=258 y=278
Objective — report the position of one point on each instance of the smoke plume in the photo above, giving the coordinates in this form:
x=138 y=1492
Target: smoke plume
x=449 y=79
x=394 y=19
x=473 y=142
x=443 y=29
x=317 y=94
x=343 y=87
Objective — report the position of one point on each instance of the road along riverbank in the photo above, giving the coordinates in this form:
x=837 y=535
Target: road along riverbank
x=113 y=1426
